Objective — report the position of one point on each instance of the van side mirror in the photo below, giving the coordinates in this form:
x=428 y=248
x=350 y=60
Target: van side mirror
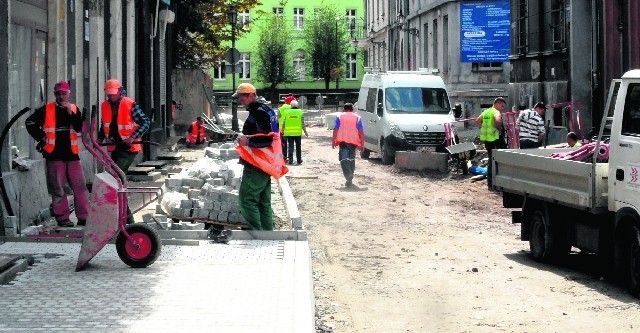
x=457 y=111
x=379 y=110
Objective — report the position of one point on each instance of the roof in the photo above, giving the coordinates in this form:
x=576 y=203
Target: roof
x=404 y=80
x=632 y=74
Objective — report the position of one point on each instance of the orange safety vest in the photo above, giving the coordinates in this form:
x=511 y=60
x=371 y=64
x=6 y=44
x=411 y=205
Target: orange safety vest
x=348 y=130
x=126 y=125
x=49 y=129
x=193 y=135
x=268 y=159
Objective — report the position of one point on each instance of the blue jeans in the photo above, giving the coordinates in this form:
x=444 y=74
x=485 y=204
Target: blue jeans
x=347 y=157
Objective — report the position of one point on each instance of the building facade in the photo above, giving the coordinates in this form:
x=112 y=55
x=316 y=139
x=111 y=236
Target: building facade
x=84 y=42
x=297 y=13
x=408 y=35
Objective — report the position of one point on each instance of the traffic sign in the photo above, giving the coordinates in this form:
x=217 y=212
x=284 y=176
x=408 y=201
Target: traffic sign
x=319 y=100
x=233 y=55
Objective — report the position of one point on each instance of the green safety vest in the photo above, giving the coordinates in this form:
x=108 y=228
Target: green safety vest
x=488 y=131
x=282 y=113
x=293 y=122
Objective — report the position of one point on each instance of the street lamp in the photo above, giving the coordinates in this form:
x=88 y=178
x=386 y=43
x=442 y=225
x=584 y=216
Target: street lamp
x=337 y=20
x=232 y=13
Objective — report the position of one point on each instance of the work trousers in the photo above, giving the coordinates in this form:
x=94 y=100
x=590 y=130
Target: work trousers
x=528 y=144
x=255 y=198
x=297 y=140
x=284 y=143
x=123 y=160
x=490 y=146
x=58 y=174
x=347 y=157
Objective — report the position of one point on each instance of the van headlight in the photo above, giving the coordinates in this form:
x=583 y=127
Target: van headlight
x=395 y=130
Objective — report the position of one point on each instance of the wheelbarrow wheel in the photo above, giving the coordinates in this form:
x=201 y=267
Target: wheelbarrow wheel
x=143 y=250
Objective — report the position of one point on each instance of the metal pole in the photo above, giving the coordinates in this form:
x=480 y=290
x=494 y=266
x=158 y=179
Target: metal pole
x=234 y=102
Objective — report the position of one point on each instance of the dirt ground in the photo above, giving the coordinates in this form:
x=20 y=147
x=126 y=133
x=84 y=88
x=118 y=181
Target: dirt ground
x=402 y=252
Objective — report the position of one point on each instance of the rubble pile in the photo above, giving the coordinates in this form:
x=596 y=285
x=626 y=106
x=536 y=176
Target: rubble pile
x=208 y=190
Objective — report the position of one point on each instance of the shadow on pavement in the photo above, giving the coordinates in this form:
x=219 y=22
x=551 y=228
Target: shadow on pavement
x=582 y=268
x=352 y=188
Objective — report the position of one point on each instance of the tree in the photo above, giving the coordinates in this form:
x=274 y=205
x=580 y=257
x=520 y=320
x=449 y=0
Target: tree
x=201 y=27
x=325 y=42
x=274 y=65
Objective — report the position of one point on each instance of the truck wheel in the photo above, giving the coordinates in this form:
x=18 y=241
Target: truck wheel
x=387 y=153
x=365 y=153
x=144 y=251
x=547 y=241
x=634 y=262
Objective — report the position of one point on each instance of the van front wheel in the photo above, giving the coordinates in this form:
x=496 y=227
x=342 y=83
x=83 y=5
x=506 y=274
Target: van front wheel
x=387 y=153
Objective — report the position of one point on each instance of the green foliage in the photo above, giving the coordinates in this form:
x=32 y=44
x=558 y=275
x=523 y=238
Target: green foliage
x=326 y=40
x=274 y=64
x=201 y=26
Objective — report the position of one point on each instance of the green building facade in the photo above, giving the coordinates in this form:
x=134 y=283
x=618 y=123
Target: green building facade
x=297 y=13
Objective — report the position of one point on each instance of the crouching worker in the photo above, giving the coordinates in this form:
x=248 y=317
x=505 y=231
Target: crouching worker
x=196 y=134
x=56 y=127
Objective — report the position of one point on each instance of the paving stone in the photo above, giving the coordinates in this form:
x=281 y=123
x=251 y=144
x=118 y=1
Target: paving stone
x=223 y=216
x=183 y=189
x=213 y=215
x=217 y=205
x=173 y=182
x=186 y=204
x=194 y=194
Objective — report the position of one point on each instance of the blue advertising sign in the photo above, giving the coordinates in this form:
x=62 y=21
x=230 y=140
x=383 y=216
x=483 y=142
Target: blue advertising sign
x=485 y=31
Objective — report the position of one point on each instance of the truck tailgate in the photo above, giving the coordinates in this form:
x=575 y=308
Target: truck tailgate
x=531 y=172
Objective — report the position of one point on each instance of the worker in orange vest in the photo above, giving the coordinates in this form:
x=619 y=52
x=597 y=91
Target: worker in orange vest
x=196 y=134
x=123 y=124
x=348 y=135
x=56 y=127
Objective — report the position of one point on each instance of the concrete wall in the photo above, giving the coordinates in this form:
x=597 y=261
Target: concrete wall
x=187 y=90
x=27 y=192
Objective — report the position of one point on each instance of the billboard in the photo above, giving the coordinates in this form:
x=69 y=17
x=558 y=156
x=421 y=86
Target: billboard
x=485 y=29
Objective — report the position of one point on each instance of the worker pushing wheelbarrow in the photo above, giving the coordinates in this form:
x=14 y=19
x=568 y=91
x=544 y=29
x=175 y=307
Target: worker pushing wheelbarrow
x=138 y=245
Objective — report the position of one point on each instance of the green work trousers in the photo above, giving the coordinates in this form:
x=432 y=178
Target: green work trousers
x=123 y=160
x=255 y=198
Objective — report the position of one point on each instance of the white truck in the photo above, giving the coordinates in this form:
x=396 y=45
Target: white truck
x=591 y=206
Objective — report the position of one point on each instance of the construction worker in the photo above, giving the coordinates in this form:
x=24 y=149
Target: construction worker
x=490 y=121
x=123 y=124
x=261 y=157
x=293 y=127
x=572 y=140
x=196 y=134
x=348 y=134
x=282 y=112
x=531 y=126
x=56 y=127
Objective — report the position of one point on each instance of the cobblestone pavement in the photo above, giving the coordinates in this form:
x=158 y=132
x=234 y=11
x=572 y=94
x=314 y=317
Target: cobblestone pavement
x=243 y=286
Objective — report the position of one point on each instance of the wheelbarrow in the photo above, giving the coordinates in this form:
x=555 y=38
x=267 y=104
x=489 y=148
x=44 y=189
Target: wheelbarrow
x=138 y=245
x=459 y=152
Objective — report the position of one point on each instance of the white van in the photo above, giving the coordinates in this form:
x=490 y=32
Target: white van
x=403 y=110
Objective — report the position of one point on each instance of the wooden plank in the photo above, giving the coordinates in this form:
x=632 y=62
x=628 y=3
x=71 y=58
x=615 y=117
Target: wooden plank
x=7 y=260
x=138 y=170
x=153 y=164
x=170 y=156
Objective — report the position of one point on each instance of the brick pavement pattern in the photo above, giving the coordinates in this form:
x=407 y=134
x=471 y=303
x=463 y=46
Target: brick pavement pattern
x=243 y=286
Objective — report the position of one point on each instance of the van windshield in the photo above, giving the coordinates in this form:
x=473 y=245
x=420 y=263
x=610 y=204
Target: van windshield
x=417 y=100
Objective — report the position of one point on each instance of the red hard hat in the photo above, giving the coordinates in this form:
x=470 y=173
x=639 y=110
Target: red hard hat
x=112 y=87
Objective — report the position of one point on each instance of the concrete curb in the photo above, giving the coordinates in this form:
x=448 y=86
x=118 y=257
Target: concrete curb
x=10 y=273
x=290 y=205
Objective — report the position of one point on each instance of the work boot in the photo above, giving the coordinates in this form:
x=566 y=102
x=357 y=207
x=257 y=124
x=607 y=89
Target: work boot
x=65 y=223
x=223 y=237
x=348 y=183
x=82 y=222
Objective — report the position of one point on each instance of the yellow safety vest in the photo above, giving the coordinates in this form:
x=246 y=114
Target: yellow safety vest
x=293 y=122
x=282 y=113
x=488 y=131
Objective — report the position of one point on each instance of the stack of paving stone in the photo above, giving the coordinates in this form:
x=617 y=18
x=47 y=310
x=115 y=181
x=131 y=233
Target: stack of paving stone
x=211 y=187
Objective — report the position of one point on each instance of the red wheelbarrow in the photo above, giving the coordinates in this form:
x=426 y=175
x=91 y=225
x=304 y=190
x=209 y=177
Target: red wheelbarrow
x=138 y=245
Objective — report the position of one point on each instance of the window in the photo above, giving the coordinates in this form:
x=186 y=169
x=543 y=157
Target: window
x=299 y=65
x=417 y=100
x=425 y=56
x=434 y=43
x=351 y=20
x=245 y=66
x=631 y=115
x=558 y=24
x=371 y=100
x=298 y=18
x=244 y=18
x=445 y=43
x=522 y=35
x=351 y=73
x=219 y=71
x=486 y=66
x=278 y=11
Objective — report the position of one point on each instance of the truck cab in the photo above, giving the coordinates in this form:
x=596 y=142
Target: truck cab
x=403 y=110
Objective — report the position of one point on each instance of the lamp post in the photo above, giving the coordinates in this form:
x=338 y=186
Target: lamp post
x=233 y=17
x=337 y=77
